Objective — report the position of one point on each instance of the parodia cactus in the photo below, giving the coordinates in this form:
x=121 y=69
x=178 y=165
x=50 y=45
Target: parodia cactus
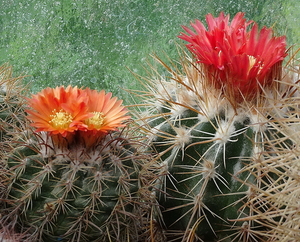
x=76 y=177
x=210 y=121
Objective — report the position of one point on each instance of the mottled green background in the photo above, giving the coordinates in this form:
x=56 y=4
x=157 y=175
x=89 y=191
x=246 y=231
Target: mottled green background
x=93 y=42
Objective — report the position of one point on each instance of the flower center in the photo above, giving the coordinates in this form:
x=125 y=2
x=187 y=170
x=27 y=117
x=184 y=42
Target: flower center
x=96 y=121
x=61 y=119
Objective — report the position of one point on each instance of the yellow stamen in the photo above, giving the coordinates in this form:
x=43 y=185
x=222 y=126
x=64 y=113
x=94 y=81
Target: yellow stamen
x=97 y=120
x=60 y=119
x=252 y=61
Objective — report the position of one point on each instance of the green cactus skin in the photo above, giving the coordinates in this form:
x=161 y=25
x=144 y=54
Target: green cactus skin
x=206 y=144
x=204 y=174
x=67 y=193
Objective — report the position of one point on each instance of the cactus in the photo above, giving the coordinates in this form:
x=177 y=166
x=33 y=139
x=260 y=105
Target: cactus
x=76 y=177
x=11 y=113
x=209 y=120
x=11 y=105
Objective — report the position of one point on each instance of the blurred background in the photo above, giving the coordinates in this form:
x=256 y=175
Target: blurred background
x=94 y=43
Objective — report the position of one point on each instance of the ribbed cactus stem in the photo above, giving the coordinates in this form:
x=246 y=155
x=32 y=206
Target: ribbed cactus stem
x=204 y=160
x=77 y=195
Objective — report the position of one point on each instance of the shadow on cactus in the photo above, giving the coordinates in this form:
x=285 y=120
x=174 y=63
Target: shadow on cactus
x=77 y=176
x=11 y=116
x=209 y=117
x=11 y=105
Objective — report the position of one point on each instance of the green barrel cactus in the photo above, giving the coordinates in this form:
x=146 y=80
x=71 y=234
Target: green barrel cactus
x=81 y=198
x=77 y=177
x=209 y=117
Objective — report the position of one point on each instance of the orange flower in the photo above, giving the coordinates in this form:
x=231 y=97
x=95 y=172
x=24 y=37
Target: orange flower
x=236 y=56
x=107 y=113
x=58 y=110
x=89 y=113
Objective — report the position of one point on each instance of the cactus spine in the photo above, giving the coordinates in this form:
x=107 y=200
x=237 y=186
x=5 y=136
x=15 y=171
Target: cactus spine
x=209 y=120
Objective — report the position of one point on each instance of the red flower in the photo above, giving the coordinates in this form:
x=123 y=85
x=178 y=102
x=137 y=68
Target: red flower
x=237 y=57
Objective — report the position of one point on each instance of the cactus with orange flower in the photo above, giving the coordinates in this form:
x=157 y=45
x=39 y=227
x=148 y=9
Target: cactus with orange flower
x=210 y=119
x=76 y=177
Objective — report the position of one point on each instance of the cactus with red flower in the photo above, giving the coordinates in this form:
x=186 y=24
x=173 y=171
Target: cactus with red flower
x=210 y=119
